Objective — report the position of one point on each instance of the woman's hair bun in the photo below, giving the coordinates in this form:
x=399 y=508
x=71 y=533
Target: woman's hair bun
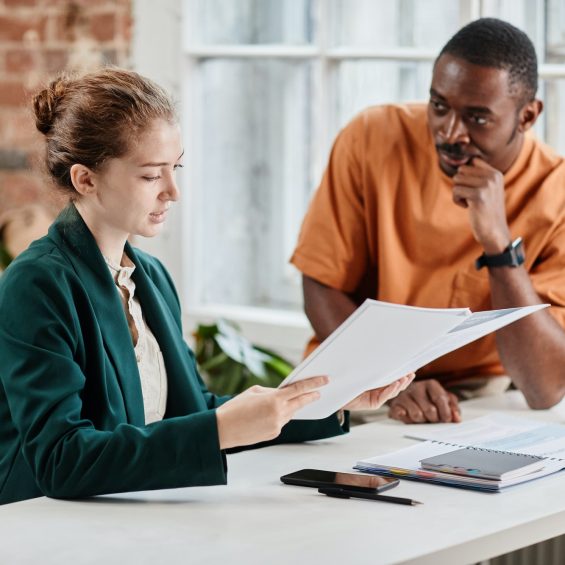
x=46 y=103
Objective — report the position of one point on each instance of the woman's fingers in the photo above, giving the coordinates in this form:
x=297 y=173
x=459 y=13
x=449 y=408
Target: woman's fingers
x=298 y=402
x=302 y=387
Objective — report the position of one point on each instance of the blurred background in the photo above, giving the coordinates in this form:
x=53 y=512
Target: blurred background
x=262 y=86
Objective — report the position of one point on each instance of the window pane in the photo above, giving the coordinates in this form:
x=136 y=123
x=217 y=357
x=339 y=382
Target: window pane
x=555 y=31
x=364 y=83
x=553 y=113
x=382 y=23
x=524 y=14
x=249 y=21
x=254 y=153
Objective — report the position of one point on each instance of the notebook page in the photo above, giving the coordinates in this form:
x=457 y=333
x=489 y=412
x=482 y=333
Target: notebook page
x=503 y=433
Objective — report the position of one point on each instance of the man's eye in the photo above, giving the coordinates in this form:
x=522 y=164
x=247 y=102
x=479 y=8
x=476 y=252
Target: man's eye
x=438 y=106
x=479 y=120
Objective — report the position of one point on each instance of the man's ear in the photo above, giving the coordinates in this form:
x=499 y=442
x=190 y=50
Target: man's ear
x=530 y=113
x=83 y=179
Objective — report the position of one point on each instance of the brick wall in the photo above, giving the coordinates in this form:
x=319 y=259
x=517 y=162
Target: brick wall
x=38 y=39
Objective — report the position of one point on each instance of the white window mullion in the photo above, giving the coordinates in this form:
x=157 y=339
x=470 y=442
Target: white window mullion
x=252 y=51
x=390 y=54
x=322 y=110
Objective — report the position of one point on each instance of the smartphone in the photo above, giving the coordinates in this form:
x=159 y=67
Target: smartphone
x=353 y=481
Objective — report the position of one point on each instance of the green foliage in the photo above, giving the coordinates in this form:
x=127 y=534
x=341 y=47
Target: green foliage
x=229 y=363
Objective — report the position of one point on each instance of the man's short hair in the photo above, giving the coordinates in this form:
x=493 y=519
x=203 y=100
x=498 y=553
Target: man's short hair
x=490 y=42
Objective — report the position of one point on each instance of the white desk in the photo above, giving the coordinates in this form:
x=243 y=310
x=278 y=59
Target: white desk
x=257 y=520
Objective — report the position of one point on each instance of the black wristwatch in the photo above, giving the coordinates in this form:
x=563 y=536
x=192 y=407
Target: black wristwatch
x=512 y=256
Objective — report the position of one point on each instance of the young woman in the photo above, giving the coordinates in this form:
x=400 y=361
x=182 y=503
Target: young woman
x=99 y=393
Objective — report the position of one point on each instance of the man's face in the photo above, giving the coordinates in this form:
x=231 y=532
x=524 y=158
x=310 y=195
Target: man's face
x=472 y=112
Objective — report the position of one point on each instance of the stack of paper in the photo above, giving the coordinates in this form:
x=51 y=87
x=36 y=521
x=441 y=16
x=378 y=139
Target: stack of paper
x=381 y=342
x=493 y=432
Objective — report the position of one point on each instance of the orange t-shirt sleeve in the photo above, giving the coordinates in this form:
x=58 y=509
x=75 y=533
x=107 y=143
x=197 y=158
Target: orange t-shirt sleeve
x=332 y=245
x=548 y=276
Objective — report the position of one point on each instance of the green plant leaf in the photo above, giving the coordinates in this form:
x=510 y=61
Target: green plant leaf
x=230 y=363
x=214 y=362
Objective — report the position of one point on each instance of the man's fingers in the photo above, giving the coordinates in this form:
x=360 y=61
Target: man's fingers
x=443 y=407
x=413 y=410
x=398 y=413
x=460 y=201
x=479 y=163
x=454 y=407
x=441 y=399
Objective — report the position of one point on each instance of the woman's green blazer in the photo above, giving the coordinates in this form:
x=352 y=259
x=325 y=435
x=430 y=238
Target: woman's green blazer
x=71 y=408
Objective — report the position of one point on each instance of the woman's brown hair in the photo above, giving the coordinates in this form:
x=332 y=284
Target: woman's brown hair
x=92 y=118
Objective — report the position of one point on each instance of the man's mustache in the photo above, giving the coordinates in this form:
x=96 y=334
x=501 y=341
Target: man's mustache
x=454 y=149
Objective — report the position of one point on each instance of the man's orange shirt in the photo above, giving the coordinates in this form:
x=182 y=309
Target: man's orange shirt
x=383 y=225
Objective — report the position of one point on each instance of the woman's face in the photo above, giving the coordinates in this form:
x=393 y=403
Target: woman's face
x=133 y=192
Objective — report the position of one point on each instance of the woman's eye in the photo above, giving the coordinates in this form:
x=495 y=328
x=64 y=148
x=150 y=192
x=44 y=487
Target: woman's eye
x=151 y=178
x=179 y=166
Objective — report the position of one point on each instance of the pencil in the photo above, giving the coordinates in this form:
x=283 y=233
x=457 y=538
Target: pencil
x=345 y=493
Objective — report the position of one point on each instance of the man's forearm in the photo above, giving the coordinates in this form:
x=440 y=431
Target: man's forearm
x=325 y=307
x=532 y=350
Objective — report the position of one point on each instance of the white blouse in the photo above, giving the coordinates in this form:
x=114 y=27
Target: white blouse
x=149 y=358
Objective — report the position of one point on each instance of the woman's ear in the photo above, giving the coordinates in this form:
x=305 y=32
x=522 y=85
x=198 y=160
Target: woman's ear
x=83 y=179
x=530 y=113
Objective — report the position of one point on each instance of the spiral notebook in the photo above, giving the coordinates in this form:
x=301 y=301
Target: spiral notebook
x=405 y=463
x=518 y=437
x=484 y=463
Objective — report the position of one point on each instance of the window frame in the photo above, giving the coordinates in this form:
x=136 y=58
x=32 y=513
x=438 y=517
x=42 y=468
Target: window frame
x=173 y=62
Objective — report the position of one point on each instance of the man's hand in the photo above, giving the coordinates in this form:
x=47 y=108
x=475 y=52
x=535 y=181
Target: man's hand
x=425 y=401
x=480 y=188
x=376 y=397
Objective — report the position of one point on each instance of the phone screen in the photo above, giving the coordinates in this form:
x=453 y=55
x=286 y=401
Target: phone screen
x=318 y=478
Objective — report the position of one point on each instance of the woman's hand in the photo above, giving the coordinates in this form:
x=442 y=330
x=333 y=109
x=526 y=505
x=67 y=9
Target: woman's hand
x=259 y=413
x=376 y=397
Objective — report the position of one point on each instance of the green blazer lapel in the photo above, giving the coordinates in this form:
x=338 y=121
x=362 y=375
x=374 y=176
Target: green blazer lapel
x=76 y=241
x=185 y=394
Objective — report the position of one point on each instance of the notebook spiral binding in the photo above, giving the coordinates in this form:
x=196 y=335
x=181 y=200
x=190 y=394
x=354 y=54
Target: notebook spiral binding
x=536 y=457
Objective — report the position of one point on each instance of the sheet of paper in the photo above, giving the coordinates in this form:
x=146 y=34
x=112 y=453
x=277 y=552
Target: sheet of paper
x=502 y=432
x=472 y=328
x=366 y=349
x=380 y=342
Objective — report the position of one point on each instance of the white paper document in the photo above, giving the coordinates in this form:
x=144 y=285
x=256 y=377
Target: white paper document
x=380 y=342
x=494 y=432
x=501 y=432
x=405 y=463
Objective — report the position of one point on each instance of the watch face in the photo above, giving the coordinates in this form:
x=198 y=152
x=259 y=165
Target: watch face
x=517 y=252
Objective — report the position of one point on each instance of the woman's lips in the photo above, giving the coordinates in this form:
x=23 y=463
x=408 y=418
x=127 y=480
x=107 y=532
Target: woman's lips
x=158 y=217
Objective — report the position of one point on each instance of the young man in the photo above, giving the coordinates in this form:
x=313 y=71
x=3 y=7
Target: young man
x=451 y=205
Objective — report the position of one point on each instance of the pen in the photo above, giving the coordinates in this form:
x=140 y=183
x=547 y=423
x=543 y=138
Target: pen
x=344 y=493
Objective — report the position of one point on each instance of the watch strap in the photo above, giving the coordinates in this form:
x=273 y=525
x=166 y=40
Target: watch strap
x=512 y=256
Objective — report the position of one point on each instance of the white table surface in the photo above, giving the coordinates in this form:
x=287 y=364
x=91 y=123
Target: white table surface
x=257 y=520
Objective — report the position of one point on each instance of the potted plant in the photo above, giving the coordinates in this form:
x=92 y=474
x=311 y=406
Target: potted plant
x=229 y=363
